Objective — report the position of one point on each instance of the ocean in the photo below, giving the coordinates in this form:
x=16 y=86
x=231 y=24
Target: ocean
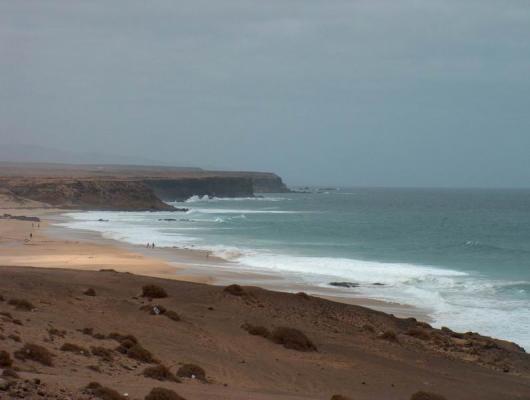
x=462 y=255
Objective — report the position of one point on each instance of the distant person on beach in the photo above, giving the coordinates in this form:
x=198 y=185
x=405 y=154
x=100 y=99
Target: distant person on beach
x=148 y=245
x=153 y=245
x=31 y=235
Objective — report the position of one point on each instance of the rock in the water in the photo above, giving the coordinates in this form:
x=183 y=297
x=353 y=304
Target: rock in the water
x=344 y=284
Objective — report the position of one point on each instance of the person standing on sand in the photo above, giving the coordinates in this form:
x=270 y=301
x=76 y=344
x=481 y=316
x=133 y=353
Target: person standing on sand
x=147 y=245
x=153 y=245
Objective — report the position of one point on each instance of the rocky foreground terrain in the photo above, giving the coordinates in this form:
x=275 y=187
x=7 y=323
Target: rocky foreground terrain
x=68 y=334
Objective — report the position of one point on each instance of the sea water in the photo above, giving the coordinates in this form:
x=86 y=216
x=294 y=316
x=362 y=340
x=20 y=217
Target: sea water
x=463 y=255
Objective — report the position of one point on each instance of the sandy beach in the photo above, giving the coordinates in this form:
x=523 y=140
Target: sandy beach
x=56 y=247
x=352 y=351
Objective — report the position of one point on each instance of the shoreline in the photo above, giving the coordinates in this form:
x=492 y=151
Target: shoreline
x=58 y=247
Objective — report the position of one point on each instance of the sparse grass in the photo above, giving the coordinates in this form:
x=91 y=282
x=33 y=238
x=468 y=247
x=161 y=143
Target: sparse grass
x=102 y=392
x=160 y=373
x=89 y=292
x=5 y=359
x=74 y=348
x=35 y=353
x=172 y=315
x=426 y=396
x=235 y=290
x=256 y=330
x=293 y=339
x=192 y=371
x=6 y=314
x=389 y=335
x=21 y=304
x=419 y=333
x=102 y=352
x=163 y=394
x=153 y=292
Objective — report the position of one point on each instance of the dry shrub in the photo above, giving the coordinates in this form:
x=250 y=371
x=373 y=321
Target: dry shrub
x=160 y=373
x=94 y=368
x=256 y=330
x=10 y=373
x=368 y=328
x=56 y=332
x=15 y=338
x=303 y=295
x=192 y=371
x=21 y=304
x=102 y=392
x=6 y=314
x=136 y=352
x=389 y=336
x=426 y=396
x=172 y=315
x=2 y=298
x=5 y=359
x=163 y=394
x=293 y=339
x=340 y=397
x=424 y=325
x=36 y=353
x=87 y=331
x=102 y=352
x=74 y=348
x=419 y=333
x=122 y=338
x=89 y=292
x=153 y=292
x=234 y=290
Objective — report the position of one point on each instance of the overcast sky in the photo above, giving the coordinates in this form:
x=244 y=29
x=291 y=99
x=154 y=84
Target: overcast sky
x=360 y=92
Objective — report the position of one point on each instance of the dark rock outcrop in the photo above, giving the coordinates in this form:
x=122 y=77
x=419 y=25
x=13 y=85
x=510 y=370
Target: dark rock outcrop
x=184 y=188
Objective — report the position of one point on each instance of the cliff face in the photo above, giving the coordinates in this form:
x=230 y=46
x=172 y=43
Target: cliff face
x=268 y=183
x=182 y=189
x=127 y=188
x=91 y=194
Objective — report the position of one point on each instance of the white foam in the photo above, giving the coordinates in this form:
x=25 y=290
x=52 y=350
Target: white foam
x=207 y=199
x=456 y=299
x=243 y=211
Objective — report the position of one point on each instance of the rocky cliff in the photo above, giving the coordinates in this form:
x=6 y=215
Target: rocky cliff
x=90 y=194
x=128 y=188
x=184 y=188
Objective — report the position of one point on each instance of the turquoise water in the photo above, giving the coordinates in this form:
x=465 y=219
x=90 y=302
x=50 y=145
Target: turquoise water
x=462 y=254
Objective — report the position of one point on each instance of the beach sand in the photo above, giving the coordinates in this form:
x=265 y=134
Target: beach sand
x=361 y=353
x=56 y=247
